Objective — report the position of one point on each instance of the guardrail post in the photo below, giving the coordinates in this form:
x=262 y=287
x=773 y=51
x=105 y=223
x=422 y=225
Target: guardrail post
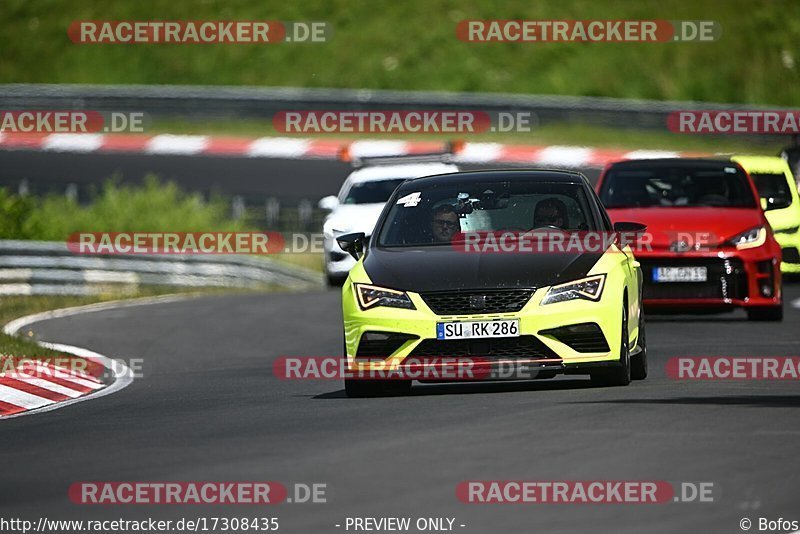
x=304 y=211
x=237 y=207
x=24 y=188
x=272 y=211
x=72 y=192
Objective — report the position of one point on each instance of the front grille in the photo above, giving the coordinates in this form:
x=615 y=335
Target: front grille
x=727 y=279
x=790 y=255
x=584 y=337
x=381 y=344
x=472 y=302
x=522 y=347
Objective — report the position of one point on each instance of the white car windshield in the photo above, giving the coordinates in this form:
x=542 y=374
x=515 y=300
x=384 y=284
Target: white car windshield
x=372 y=192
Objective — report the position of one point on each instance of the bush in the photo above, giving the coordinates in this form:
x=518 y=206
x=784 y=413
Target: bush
x=151 y=207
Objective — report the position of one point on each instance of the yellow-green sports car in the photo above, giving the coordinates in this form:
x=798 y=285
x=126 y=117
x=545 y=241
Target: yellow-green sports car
x=432 y=284
x=779 y=198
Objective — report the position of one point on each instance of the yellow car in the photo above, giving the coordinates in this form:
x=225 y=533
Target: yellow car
x=779 y=198
x=423 y=290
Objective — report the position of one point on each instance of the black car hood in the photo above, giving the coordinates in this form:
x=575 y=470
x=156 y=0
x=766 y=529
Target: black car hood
x=441 y=268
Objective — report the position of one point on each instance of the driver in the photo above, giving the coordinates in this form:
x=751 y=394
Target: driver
x=550 y=212
x=445 y=223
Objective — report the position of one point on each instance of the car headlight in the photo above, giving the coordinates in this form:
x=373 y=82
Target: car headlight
x=590 y=288
x=333 y=228
x=754 y=237
x=374 y=296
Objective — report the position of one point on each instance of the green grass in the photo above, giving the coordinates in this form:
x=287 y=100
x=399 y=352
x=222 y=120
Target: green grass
x=412 y=45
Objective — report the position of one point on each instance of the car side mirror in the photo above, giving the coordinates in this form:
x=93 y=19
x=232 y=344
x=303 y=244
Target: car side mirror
x=628 y=233
x=768 y=204
x=630 y=227
x=353 y=243
x=328 y=203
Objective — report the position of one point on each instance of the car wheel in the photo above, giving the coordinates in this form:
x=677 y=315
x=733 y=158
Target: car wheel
x=619 y=375
x=767 y=313
x=639 y=361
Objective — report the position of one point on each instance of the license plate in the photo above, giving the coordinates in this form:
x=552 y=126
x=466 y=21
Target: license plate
x=477 y=329
x=680 y=274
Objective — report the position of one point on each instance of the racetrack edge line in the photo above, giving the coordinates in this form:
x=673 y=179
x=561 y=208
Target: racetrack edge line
x=123 y=376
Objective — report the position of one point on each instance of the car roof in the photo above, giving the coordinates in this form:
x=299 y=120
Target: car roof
x=670 y=162
x=550 y=176
x=397 y=172
x=762 y=164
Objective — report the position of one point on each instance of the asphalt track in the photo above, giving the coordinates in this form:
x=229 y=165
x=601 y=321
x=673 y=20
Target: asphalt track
x=209 y=408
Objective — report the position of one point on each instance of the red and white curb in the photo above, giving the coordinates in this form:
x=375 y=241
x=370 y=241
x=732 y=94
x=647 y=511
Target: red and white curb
x=35 y=387
x=307 y=148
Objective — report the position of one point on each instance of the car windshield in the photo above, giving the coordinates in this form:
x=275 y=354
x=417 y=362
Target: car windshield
x=677 y=186
x=372 y=192
x=435 y=214
x=774 y=188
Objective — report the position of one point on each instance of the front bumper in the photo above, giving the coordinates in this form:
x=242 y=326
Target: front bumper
x=736 y=278
x=542 y=344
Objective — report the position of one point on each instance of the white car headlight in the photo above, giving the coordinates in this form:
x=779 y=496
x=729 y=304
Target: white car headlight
x=754 y=237
x=590 y=288
x=333 y=228
x=374 y=296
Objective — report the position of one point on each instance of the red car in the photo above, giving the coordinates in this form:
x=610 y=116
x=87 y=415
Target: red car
x=708 y=245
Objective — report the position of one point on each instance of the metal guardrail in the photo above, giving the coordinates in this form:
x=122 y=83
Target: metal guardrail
x=255 y=102
x=49 y=268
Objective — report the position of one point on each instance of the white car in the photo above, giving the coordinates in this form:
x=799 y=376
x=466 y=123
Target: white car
x=359 y=203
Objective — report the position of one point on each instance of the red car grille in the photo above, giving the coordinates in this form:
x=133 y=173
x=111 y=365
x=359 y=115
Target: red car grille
x=727 y=279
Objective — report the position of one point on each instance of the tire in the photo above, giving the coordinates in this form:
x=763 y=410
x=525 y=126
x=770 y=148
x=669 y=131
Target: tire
x=766 y=313
x=619 y=375
x=639 y=361
x=376 y=388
